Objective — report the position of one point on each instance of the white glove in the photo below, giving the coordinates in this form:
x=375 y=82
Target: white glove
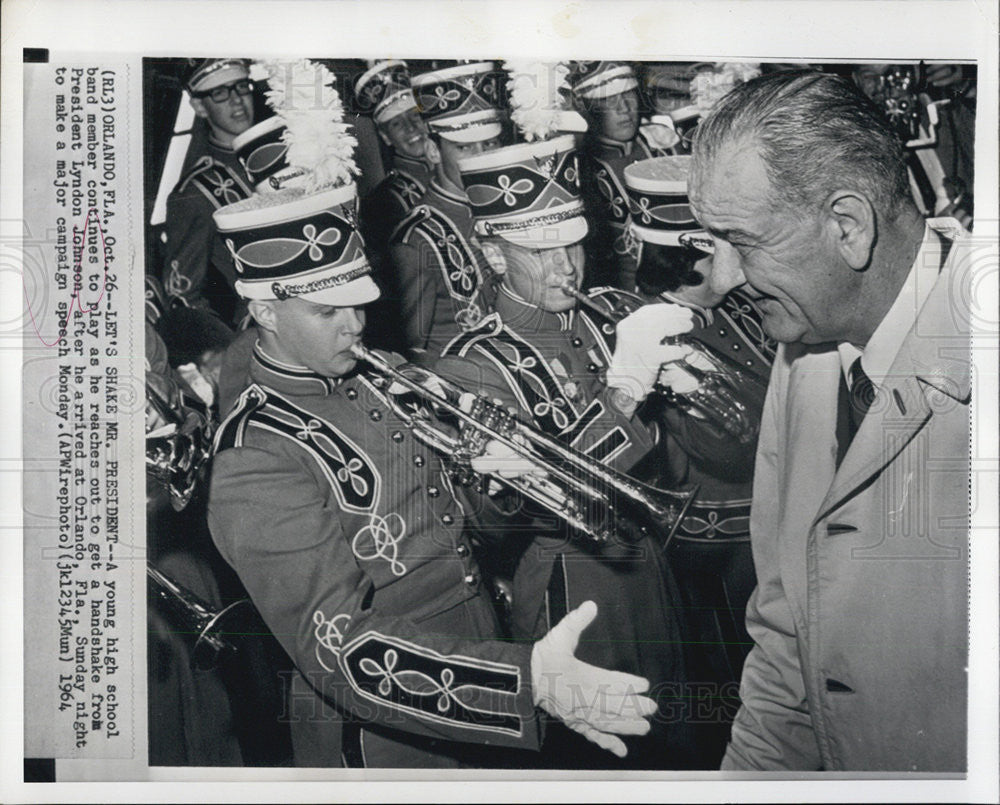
x=593 y=701
x=638 y=351
x=678 y=379
x=499 y=459
x=660 y=135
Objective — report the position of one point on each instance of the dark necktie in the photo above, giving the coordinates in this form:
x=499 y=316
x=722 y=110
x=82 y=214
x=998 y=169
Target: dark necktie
x=852 y=406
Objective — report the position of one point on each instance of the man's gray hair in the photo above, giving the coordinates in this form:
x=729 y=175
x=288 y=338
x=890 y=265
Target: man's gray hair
x=816 y=133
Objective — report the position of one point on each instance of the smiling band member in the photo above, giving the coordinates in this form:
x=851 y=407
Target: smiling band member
x=384 y=90
x=445 y=285
x=197 y=266
x=529 y=217
x=349 y=537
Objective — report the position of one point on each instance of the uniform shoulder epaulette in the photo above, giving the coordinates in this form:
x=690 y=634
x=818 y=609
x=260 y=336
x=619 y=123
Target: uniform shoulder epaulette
x=350 y=472
x=218 y=182
x=233 y=427
x=405 y=228
x=487 y=326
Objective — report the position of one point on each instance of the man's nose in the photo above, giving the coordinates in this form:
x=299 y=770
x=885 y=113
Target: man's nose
x=561 y=262
x=727 y=273
x=354 y=321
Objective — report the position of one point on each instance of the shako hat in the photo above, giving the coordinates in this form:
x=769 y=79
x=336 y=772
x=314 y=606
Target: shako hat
x=384 y=90
x=263 y=153
x=303 y=240
x=294 y=243
x=461 y=103
x=593 y=80
x=528 y=194
x=658 y=202
x=206 y=74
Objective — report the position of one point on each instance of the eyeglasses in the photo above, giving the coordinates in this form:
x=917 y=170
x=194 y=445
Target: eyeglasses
x=222 y=93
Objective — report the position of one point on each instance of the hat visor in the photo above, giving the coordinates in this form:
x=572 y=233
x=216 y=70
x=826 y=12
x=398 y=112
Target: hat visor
x=471 y=134
x=355 y=293
x=550 y=236
x=690 y=238
x=352 y=294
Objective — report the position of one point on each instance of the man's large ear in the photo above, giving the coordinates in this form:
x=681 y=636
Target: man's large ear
x=494 y=256
x=854 y=226
x=262 y=311
x=199 y=106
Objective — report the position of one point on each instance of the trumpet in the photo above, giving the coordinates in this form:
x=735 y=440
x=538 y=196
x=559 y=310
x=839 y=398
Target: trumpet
x=209 y=626
x=582 y=492
x=717 y=397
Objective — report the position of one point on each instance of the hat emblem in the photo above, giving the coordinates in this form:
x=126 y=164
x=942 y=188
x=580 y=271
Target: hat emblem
x=444 y=97
x=328 y=237
x=510 y=192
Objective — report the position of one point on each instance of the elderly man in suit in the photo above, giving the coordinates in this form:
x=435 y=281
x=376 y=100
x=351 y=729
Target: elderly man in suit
x=859 y=521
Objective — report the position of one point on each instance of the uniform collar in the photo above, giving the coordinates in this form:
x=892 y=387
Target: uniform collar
x=615 y=147
x=414 y=168
x=286 y=378
x=215 y=145
x=519 y=314
x=451 y=196
x=705 y=312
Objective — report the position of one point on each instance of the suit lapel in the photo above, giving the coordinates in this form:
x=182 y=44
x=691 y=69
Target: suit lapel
x=931 y=369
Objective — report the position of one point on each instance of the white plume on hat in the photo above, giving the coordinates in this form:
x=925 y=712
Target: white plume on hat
x=301 y=92
x=539 y=108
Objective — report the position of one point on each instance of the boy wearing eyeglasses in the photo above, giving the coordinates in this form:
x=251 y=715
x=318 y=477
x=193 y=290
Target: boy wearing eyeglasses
x=197 y=267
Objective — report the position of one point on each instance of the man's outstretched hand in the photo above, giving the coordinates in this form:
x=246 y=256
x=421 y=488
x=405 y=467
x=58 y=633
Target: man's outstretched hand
x=598 y=703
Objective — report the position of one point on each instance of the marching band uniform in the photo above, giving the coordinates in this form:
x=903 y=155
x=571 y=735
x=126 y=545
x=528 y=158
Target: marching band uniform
x=445 y=284
x=385 y=92
x=349 y=537
x=215 y=179
x=552 y=365
x=605 y=159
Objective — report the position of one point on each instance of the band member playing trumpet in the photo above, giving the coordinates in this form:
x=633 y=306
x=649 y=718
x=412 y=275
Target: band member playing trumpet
x=551 y=356
x=350 y=537
x=711 y=444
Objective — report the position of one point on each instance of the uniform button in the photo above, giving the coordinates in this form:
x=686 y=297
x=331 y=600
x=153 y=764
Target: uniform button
x=577 y=342
x=419 y=461
x=352 y=394
x=447 y=519
x=397 y=435
x=749 y=362
x=472 y=579
x=736 y=347
x=592 y=368
x=375 y=414
x=462 y=550
x=722 y=331
x=433 y=491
